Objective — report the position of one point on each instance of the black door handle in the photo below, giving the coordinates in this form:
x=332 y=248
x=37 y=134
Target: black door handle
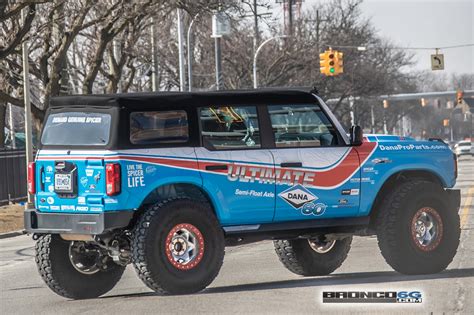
x=216 y=167
x=291 y=164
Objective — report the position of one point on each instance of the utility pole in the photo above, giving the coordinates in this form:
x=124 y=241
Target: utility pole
x=219 y=28
x=256 y=37
x=154 y=58
x=181 y=51
x=26 y=93
x=317 y=31
x=290 y=17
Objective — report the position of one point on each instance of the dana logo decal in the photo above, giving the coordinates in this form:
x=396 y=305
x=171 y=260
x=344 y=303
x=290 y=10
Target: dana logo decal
x=302 y=199
x=297 y=196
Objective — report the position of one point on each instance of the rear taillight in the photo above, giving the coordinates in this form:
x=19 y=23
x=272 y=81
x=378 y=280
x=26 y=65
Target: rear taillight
x=455 y=165
x=31 y=177
x=112 y=179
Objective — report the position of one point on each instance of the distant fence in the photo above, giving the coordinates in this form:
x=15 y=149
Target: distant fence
x=13 y=176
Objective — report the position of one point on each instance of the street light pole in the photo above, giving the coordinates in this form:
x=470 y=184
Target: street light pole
x=217 y=41
x=190 y=53
x=180 y=51
x=372 y=119
x=12 y=126
x=255 y=82
x=26 y=94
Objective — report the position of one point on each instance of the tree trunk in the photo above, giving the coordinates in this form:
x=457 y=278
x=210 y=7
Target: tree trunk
x=3 y=111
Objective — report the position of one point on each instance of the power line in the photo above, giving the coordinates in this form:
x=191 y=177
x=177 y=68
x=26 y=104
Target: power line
x=433 y=48
x=398 y=48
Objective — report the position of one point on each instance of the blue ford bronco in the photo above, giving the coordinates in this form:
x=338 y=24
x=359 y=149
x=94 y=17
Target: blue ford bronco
x=165 y=181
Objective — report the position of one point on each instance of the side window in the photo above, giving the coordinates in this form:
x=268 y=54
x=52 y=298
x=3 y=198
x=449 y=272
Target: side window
x=301 y=126
x=159 y=127
x=230 y=127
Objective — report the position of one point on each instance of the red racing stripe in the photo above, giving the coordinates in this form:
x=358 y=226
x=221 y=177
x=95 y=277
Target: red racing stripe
x=346 y=168
x=322 y=178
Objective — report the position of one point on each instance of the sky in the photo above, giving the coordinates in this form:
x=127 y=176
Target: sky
x=425 y=23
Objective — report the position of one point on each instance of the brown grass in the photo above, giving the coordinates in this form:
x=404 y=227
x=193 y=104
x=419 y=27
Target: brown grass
x=11 y=218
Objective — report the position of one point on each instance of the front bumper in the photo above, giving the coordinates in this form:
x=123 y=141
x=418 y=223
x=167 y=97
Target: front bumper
x=454 y=198
x=91 y=224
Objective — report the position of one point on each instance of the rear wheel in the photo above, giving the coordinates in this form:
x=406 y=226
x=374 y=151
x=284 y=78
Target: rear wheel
x=76 y=270
x=178 y=246
x=417 y=231
x=312 y=257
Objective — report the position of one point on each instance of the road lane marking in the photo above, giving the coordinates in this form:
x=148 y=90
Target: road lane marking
x=467 y=206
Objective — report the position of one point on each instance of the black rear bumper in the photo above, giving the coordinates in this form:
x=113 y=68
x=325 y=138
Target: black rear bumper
x=92 y=224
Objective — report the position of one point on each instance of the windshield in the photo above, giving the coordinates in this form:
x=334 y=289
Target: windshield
x=464 y=144
x=77 y=128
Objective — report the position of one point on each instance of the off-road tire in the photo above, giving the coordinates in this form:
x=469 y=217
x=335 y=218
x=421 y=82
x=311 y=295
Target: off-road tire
x=298 y=256
x=149 y=246
x=57 y=271
x=394 y=228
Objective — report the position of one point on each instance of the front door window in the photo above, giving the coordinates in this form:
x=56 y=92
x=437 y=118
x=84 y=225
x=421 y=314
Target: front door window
x=316 y=177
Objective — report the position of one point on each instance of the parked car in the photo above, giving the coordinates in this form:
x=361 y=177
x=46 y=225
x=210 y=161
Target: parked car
x=165 y=181
x=464 y=148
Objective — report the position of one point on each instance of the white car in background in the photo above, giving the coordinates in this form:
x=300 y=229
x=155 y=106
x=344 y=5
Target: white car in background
x=464 y=148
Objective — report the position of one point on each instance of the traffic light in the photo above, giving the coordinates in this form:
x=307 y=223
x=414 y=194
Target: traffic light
x=424 y=102
x=324 y=63
x=330 y=62
x=338 y=63
x=385 y=104
x=459 y=96
x=446 y=122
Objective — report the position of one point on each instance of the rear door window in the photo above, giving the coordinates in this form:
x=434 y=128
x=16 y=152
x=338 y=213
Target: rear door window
x=230 y=127
x=159 y=127
x=77 y=128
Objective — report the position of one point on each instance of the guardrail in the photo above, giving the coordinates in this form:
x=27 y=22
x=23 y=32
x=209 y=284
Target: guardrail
x=13 y=176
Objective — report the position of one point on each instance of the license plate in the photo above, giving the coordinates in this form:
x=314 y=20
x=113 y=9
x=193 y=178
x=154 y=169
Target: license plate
x=63 y=182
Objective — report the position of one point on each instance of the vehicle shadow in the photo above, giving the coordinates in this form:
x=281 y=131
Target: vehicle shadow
x=342 y=279
x=333 y=280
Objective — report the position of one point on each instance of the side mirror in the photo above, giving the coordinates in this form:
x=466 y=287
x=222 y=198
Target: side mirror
x=356 y=135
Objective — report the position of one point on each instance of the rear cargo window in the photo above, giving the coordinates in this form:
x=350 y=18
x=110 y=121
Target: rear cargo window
x=77 y=128
x=159 y=127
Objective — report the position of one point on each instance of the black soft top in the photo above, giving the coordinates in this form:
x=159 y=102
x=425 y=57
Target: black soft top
x=194 y=99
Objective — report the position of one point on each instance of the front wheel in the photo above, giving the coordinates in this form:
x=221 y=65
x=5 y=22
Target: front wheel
x=312 y=257
x=417 y=231
x=76 y=270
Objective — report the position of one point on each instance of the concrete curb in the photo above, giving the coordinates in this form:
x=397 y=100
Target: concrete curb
x=12 y=234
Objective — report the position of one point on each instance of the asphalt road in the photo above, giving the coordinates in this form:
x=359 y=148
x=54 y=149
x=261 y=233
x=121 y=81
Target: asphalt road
x=252 y=280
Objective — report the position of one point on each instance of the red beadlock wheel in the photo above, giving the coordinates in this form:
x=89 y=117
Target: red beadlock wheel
x=178 y=246
x=184 y=246
x=427 y=229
